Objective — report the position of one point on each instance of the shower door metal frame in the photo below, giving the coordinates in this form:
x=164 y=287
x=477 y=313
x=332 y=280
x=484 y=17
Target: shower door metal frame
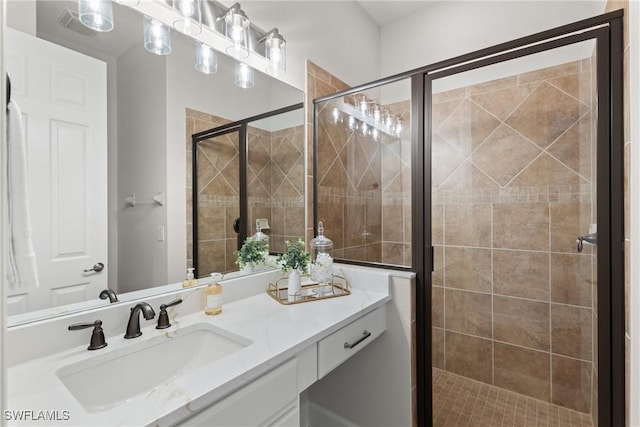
x=240 y=126
x=606 y=30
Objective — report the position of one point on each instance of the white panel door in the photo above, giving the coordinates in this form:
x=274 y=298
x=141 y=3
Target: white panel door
x=63 y=98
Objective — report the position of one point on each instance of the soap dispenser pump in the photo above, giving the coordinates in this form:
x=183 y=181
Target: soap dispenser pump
x=190 y=280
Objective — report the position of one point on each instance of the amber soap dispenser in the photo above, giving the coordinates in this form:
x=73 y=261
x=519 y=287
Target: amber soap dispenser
x=190 y=280
x=213 y=296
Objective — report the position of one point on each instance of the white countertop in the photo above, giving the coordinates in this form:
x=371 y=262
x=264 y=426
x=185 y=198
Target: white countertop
x=277 y=333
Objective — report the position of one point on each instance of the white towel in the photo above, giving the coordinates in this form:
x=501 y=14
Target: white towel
x=23 y=272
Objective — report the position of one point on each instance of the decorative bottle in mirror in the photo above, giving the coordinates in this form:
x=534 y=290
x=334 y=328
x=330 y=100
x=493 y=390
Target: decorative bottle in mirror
x=322 y=259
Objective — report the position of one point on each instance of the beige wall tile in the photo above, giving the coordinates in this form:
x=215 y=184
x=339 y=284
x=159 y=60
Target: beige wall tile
x=550 y=72
x=568 y=221
x=571 y=332
x=437 y=277
x=521 y=226
x=468 y=312
x=468 y=225
x=437 y=307
x=468 y=268
x=437 y=348
x=522 y=370
x=392 y=219
x=512 y=269
x=571 y=383
x=504 y=154
x=571 y=280
x=437 y=224
x=468 y=356
x=546 y=114
x=521 y=322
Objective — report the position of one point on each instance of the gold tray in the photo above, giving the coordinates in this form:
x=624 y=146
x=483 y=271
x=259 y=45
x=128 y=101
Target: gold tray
x=311 y=292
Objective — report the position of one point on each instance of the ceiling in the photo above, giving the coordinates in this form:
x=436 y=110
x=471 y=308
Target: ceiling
x=385 y=12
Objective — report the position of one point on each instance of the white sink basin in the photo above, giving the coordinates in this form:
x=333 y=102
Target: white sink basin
x=112 y=378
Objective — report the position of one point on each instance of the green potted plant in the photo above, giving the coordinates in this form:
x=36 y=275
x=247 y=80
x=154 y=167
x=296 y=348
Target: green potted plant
x=296 y=261
x=254 y=251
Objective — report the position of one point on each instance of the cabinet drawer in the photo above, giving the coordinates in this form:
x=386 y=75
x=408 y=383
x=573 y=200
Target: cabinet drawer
x=344 y=343
x=254 y=404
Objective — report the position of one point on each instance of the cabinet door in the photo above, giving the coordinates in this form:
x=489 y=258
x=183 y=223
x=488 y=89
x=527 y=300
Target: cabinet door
x=255 y=404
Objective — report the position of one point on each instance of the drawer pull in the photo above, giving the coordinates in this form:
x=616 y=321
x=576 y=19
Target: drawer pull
x=366 y=334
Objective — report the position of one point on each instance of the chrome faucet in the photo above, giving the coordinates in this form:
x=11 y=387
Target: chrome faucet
x=133 y=327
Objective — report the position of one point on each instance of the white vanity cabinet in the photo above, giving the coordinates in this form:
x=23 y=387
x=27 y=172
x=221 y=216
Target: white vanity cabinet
x=274 y=398
x=270 y=400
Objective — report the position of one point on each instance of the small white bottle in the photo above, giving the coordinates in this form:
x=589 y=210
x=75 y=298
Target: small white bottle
x=213 y=296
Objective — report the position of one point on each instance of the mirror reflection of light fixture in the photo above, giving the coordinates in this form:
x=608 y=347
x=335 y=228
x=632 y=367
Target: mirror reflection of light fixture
x=236 y=29
x=96 y=14
x=157 y=36
x=275 y=52
x=243 y=75
x=352 y=123
x=190 y=22
x=206 y=59
x=362 y=104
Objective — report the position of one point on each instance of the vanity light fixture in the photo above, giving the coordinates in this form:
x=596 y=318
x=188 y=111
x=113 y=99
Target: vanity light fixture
x=367 y=117
x=275 y=52
x=236 y=29
x=96 y=14
x=190 y=22
x=157 y=36
x=243 y=75
x=206 y=59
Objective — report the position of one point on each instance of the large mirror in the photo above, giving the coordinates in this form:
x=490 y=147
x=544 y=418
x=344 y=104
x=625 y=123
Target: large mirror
x=108 y=130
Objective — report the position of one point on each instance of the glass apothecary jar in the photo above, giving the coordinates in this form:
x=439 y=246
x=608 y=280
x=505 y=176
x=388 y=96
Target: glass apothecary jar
x=321 y=258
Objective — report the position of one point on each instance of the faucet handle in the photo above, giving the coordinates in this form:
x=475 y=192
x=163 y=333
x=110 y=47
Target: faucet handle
x=163 y=317
x=97 y=336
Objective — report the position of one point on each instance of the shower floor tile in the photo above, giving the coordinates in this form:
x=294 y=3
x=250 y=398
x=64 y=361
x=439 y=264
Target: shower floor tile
x=461 y=402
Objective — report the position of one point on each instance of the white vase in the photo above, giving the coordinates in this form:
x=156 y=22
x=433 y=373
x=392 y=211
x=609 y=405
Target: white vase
x=293 y=285
x=248 y=268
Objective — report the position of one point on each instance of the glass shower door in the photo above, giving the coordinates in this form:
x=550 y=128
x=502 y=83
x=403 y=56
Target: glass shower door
x=514 y=301
x=216 y=215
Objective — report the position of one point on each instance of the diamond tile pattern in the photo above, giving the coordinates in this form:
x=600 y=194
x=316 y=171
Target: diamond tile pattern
x=512 y=164
x=546 y=114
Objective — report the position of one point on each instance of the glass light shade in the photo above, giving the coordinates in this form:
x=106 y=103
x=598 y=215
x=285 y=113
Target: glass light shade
x=335 y=114
x=236 y=26
x=351 y=123
x=276 y=53
x=377 y=114
x=362 y=105
x=243 y=76
x=157 y=36
x=96 y=14
x=191 y=21
x=206 y=59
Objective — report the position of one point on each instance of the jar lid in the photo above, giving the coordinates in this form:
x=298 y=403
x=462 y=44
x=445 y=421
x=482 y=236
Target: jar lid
x=321 y=241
